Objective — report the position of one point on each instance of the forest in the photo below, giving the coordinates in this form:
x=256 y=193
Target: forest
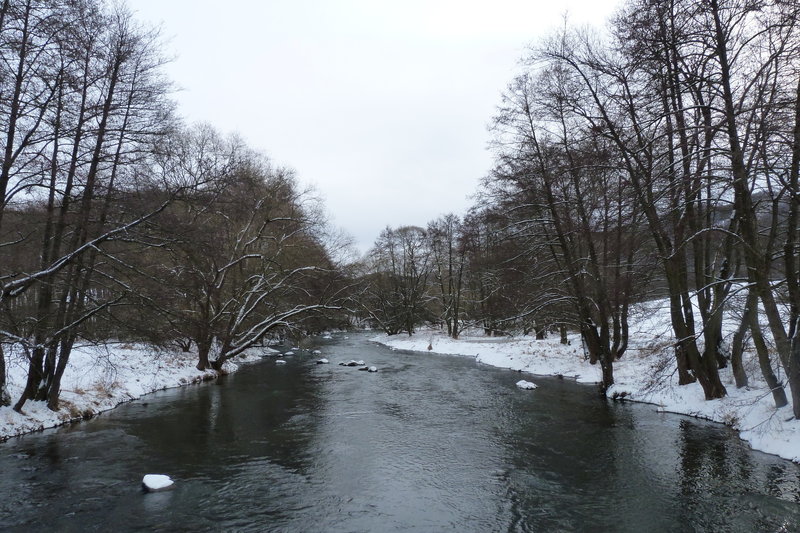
x=659 y=159
x=119 y=222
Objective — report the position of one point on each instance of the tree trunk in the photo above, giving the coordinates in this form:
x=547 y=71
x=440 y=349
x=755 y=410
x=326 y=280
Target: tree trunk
x=49 y=370
x=794 y=371
x=607 y=367
x=778 y=394
x=54 y=389
x=704 y=368
x=681 y=345
x=685 y=376
x=14 y=110
x=5 y=399
x=737 y=346
x=203 y=348
x=33 y=381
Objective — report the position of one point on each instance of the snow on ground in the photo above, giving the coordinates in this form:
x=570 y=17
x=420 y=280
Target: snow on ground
x=99 y=378
x=646 y=373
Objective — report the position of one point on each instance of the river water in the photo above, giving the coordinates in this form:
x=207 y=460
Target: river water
x=429 y=443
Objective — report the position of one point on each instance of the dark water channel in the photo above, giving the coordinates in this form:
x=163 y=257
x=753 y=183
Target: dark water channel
x=429 y=443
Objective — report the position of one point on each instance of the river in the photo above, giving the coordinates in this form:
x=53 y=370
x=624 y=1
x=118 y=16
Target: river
x=428 y=443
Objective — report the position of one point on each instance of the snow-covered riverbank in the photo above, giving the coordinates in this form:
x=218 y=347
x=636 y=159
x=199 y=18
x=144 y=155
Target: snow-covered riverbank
x=646 y=373
x=99 y=378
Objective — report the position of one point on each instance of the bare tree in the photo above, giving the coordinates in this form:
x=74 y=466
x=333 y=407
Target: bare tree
x=107 y=103
x=242 y=256
x=396 y=291
x=448 y=255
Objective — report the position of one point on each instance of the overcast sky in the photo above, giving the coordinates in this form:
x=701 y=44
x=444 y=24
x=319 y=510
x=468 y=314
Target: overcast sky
x=381 y=105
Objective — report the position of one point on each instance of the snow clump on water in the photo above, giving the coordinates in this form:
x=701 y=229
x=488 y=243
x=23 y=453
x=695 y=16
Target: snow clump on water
x=156 y=482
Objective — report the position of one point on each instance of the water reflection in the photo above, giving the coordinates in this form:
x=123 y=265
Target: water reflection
x=728 y=486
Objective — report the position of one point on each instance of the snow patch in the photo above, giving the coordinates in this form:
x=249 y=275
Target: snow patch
x=99 y=378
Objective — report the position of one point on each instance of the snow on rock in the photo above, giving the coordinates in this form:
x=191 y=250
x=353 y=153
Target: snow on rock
x=316 y=352
x=289 y=353
x=156 y=482
x=373 y=369
x=280 y=362
x=527 y=385
x=322 y=361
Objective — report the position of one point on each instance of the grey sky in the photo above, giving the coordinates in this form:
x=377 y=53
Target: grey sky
x=382 y=106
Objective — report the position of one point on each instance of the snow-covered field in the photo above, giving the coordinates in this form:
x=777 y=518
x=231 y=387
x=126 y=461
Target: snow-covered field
x=646 y=373
x=100 y=378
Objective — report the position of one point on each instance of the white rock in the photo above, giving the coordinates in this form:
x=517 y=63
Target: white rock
x=156 y=482
x=522 y=384
x=280 y=362
x=322 y=361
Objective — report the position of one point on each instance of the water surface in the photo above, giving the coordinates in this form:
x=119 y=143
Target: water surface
x=429 y=443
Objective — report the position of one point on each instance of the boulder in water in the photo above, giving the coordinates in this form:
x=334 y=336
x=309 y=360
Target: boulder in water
x=527 y=385
x=352 y=362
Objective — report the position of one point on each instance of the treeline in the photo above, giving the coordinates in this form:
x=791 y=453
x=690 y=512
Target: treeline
x=663 y=155
x=119 y=223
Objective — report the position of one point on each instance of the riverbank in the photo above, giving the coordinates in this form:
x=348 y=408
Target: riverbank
x=99 y=378
x=646 y=373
